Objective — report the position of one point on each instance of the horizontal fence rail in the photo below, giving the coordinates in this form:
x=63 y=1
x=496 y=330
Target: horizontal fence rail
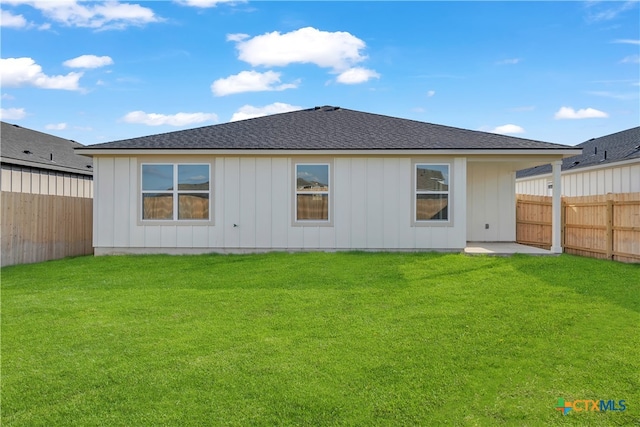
x=38 y=227
x=604 y=226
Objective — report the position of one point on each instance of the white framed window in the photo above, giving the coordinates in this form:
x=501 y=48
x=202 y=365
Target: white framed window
x=175 y=192
x=431 y=192
x=312 y=198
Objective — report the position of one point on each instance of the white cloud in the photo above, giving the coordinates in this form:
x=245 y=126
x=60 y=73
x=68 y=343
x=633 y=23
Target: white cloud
x=206 y=3
x=12 y=113
x=8 y=19
x=598 y=11
x=25 y=72
x=627 y=41
x=510 y=61
x=250 y=81
x=356 y=75
x=56 y=126
x=631 y=59
x=585 y=113
x=431 y=93
x=614 y=95
x=249 y=111
x=179 y=119
x=99 y=15
x=337 y=50
x=237 y=37
x=88 y=61
x=7 y=97
x=507 y=129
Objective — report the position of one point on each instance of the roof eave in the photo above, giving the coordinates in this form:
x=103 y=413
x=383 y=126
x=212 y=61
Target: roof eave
x=586 y=168
x=555 y=152
x=45 y=166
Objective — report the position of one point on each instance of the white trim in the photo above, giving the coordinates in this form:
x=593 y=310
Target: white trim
x=102 y=251
x=47 y=166
x=175 y=192
x=312 y=222
x=414 y=191
x=554 y=153
x=556 y=209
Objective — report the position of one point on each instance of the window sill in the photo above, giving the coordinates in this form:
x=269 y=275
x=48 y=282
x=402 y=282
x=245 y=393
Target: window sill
x=152 y=223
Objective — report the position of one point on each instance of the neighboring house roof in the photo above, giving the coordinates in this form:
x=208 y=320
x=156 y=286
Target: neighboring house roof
x=617 y=147
x=326 y=128
x=26 y=147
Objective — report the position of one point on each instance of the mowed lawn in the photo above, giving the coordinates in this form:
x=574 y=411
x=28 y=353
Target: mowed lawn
x=353 y=339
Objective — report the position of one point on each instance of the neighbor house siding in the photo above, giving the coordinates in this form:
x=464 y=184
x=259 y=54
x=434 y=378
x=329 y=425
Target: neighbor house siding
x=25 y=179
x=588 y=182
x=252 y=199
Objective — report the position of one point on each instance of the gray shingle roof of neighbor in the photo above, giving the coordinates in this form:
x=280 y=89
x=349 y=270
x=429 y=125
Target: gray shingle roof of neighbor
x=327 y=128
x=27 y=147
x=619 y=146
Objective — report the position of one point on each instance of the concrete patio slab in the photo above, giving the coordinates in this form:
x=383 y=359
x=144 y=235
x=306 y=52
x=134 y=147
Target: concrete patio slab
x=503 y=249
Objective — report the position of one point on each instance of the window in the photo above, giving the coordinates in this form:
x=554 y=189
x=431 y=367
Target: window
x=431 y=192
x=312 y=192
x=176 y=192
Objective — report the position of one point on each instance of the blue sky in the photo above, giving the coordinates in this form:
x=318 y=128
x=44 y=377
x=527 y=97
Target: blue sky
x=101 y=71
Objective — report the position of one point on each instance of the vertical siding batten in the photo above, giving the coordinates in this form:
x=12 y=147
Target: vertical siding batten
x=231 y=202
x=342 y=202
x=105 y=202
x=122 y=189
x=263 y=188
x=391 y=208
x=280 y=202
x=375 y=203
x=358 y=220
x=136 y=231
x=247 y=202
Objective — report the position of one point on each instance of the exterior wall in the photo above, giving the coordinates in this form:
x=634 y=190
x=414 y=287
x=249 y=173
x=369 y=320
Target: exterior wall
x=589 y=182
x=372 y=208
x=491 y=201
x=23 y=179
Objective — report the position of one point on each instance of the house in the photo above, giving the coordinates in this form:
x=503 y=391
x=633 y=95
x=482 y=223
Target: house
x=46 y=197
x=325 y=178
x=39 y=163
x=609 y=164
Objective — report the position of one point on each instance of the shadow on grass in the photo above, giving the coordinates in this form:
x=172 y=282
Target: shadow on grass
x=615 y=282
x=273 y=270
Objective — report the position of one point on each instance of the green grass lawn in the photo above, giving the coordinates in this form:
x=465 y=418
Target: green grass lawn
x=319 y=339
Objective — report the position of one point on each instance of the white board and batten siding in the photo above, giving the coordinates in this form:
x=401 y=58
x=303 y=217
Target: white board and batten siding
x=588 y=182
x=491 y=216
x=252 y=199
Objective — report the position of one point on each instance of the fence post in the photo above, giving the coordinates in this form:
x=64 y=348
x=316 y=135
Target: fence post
x=563 y=222
x=609 y=235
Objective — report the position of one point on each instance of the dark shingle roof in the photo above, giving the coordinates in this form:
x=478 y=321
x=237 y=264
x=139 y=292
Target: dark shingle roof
x=624 y=145
x=28 y=147
x=327 y=128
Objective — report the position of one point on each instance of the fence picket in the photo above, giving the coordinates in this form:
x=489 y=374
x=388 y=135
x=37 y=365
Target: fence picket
x=39 y=227
x=604 y=226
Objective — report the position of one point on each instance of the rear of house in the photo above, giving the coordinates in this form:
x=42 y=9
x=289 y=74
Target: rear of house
x=325 y=178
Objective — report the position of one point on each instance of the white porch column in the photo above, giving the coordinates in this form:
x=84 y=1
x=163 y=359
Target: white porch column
x=556 y=207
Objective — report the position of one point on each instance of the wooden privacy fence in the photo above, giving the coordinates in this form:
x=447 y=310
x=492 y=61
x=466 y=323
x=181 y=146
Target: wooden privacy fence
x=37 y=227
x=603 y=226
